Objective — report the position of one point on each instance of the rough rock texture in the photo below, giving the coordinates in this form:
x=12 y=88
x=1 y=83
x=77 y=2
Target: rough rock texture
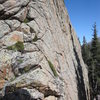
x=40 y=55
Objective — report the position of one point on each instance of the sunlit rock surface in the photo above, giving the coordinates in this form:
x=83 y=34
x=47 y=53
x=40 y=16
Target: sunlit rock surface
x=40 y=55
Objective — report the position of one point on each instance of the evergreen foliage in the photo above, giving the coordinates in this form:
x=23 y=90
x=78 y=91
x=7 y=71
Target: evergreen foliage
x=85 y=50
x=91 y=56
x=95 y=44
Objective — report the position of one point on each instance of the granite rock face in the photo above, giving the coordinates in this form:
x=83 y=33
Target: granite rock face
x=40 y=55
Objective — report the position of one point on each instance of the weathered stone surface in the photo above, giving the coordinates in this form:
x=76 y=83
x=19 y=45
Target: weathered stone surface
x=1 y=7
x=25 y=28
x=47 y=64
x=12 y=38
x=51 y=98
x=33 y=25
x=4 y=28
x=11 y=7
x=32 y=13
x=21 y=15
x=1 y=1
x=30 y=47
x=13 y=24
x=6 y=73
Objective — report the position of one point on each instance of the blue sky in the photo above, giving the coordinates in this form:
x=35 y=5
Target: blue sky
x=83 y=14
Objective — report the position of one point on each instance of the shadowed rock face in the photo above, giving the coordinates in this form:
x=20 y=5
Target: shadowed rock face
x=40 y=55
x=17 y=95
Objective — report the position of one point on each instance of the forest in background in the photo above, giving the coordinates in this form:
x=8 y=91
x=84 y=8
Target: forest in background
x=91 y=57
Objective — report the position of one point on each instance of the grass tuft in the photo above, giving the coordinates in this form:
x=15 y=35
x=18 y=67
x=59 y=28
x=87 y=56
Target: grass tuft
x=19 y=46
x=52 y=68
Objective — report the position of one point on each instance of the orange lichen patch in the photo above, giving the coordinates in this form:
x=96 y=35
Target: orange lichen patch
x=4 y=74
x=16 y=37
x=2 y=82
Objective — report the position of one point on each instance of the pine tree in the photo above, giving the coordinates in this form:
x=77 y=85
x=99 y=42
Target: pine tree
x=85 y=51
x=95 y=42
x=91 y=56
x=95 y=51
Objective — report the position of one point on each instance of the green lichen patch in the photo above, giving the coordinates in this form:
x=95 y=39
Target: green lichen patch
x=20 y=61
x=11 y=47
x=32 y=30
x=35 y=38
x=19 y=46
x=26 y=20
x=25 y=69
x=52 y=68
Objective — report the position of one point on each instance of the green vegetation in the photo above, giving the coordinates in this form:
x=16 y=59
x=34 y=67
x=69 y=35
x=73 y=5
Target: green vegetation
x=91 y=56
x=20 y=61
x=35 y=38
x=25 y=69
x=11 y=47
x=26 y=20
x=52 y=68
x=85 y=51
x=32 y=30
x=19 y=46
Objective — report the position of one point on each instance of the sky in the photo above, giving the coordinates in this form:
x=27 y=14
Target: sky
x=83 y=14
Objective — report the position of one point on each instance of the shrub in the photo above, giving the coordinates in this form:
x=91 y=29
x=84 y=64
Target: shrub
x=19 y=46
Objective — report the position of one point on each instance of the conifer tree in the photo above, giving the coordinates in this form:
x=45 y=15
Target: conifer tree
x=89 y=61
x=85 y=51
x=91 y=56
x=95 y=44
x=95 y=51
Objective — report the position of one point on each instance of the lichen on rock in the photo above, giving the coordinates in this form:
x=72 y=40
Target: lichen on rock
x=40 y=55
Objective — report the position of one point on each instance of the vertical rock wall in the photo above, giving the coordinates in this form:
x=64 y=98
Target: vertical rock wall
x=40 y=55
